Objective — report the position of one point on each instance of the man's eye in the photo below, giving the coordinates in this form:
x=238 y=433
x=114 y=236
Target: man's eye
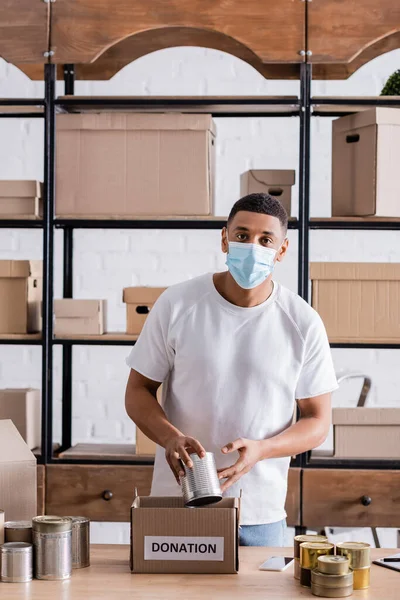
x=241 y=236
x=266 y=241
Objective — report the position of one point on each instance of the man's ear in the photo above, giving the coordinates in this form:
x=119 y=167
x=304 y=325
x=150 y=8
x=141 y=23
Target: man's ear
x=224 y=240
x=283 y=249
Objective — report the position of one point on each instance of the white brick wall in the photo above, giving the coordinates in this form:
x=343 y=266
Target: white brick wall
x=110 y=260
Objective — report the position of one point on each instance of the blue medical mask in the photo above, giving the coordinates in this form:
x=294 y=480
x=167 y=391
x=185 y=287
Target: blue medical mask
x=250 y=264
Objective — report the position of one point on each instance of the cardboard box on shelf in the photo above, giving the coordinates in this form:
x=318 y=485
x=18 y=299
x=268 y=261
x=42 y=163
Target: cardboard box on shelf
x=74 y=317
x=166 y=537
x=366 y=432
x=20 y=198
x=358 y=302
x=144 y=445
x=365 y=159
x=20 y=296
x=278 y=183
x=121 y=164
x=23 y=408
x=18 y=493
x=139 y=301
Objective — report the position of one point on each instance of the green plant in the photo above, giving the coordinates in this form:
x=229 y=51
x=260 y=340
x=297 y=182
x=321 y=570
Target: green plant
x=392 y=86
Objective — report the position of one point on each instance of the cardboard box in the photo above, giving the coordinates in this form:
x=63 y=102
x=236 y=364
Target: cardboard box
x=278 y=183
x=20 y=198
x=121 y=164
x=20 y=296
x=74 y=317
x=139 y=301
x=365 y=162
x=144 y=445
x=166 y=537
x=366 y=432
x=358 y=302
x=18 y=493
x=23 y=408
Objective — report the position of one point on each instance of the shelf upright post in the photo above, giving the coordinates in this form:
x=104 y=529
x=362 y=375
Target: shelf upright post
x=69 y=80
x=48 y=264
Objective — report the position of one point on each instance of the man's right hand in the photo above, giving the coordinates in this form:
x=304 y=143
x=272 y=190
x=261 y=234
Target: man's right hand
x=177 y=451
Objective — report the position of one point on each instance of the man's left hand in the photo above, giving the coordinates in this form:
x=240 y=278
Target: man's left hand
x=250 y=454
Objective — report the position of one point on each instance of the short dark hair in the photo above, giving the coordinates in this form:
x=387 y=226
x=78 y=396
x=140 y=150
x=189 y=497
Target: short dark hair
x=261 y=203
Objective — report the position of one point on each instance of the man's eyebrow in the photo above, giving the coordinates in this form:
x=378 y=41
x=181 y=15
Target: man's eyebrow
x=241 y=228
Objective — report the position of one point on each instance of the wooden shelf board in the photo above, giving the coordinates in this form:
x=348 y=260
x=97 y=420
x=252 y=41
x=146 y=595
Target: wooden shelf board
x=356 y=219
x=117 y=336
x=4 y=217
x=140 y=218
x=103 y=452
x=20 y=336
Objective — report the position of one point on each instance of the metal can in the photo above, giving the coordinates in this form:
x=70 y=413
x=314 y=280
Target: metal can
x=52 y=539
x=331 y=581
x=358 y=553
x=324 y=592
x=200 y=484
x=16 y=562
x=80 y=542
x=309 y=553
x=333 y=565
x=362 y=578
x=18 y=531
x=296 y=573
x=1 y=526
x=300 y=539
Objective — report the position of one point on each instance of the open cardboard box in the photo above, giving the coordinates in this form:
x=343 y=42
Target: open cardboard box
x=166 y=537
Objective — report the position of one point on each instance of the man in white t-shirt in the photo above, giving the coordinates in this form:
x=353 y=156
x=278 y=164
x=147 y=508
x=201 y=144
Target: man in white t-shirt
x=234 y=351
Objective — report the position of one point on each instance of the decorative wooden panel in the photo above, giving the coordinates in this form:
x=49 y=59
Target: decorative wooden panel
x=340 y=497
x=258 y=31
x=345 y=34
x=293 y=498
x=24 y=30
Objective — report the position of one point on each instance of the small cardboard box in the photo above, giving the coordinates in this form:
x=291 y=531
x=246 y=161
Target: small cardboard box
x=139 y=301
x=79 y=317
x=166 y=537
x=278 y=183
x=20 y=198
x=23 y=407
x=366 y=432
x=358 y=302
x=144 y=445
x=20 y=296
x=18 y=490
x=124 y=164
x=365 y=164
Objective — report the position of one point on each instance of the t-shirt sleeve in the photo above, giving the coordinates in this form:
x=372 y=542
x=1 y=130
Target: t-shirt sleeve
x=153 y=355
x=317 y=375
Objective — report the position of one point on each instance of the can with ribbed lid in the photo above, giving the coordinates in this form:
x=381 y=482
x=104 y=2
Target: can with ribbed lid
x=309 y=553
x=324 y=592
x=331 y=581
x=362 y=578
x=333 y=565
x=200 y=484
x=16 y=562
x=18 y=531
x=52 y=539
x=358 y=553
x=80 y=542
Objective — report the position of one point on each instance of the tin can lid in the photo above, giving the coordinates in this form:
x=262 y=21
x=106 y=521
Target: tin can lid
x=78 y=521
x=16 y=547
x=317 y=545
x=51 y=524
x=18 y=525
x=354 y=545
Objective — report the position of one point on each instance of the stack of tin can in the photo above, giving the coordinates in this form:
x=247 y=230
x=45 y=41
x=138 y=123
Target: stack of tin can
x=299 y=539
x=309 y=554
x=332 y=578
x=358 y=554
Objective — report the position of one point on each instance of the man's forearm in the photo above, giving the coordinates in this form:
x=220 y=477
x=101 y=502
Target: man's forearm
x=306 y=434
x=143 y=408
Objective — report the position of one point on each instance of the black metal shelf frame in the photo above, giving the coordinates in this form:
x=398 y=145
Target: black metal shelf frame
x=303 y=108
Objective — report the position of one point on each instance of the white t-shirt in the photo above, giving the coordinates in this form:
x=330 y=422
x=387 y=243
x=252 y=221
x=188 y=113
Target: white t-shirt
x=233 y=372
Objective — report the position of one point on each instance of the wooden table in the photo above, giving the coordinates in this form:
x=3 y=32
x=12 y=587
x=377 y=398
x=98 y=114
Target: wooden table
x=109 y=578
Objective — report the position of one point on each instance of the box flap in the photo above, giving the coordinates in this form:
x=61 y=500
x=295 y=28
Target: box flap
x=21 y=268
x=141 y=295
x=137 y=121
x=12 y=446
x=73 y=308
x=270 y=177
x=366 y=416
x=366 y=118
x=178 y=502
x=355 y=271
x=20 y=189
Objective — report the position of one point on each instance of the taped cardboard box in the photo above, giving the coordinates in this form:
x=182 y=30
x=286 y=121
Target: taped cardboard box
x=18 y=490
x=127 y=165
x=166 y=537
x=139 y=301
x=20 y=296
x=23 y=408
x=358 y=302
x=366 y=432
x=278 y=183
x=365 y=164
x=79 y=317
x=20 y=198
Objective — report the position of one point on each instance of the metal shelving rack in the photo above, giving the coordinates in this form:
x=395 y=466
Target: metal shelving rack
x=304 y=108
